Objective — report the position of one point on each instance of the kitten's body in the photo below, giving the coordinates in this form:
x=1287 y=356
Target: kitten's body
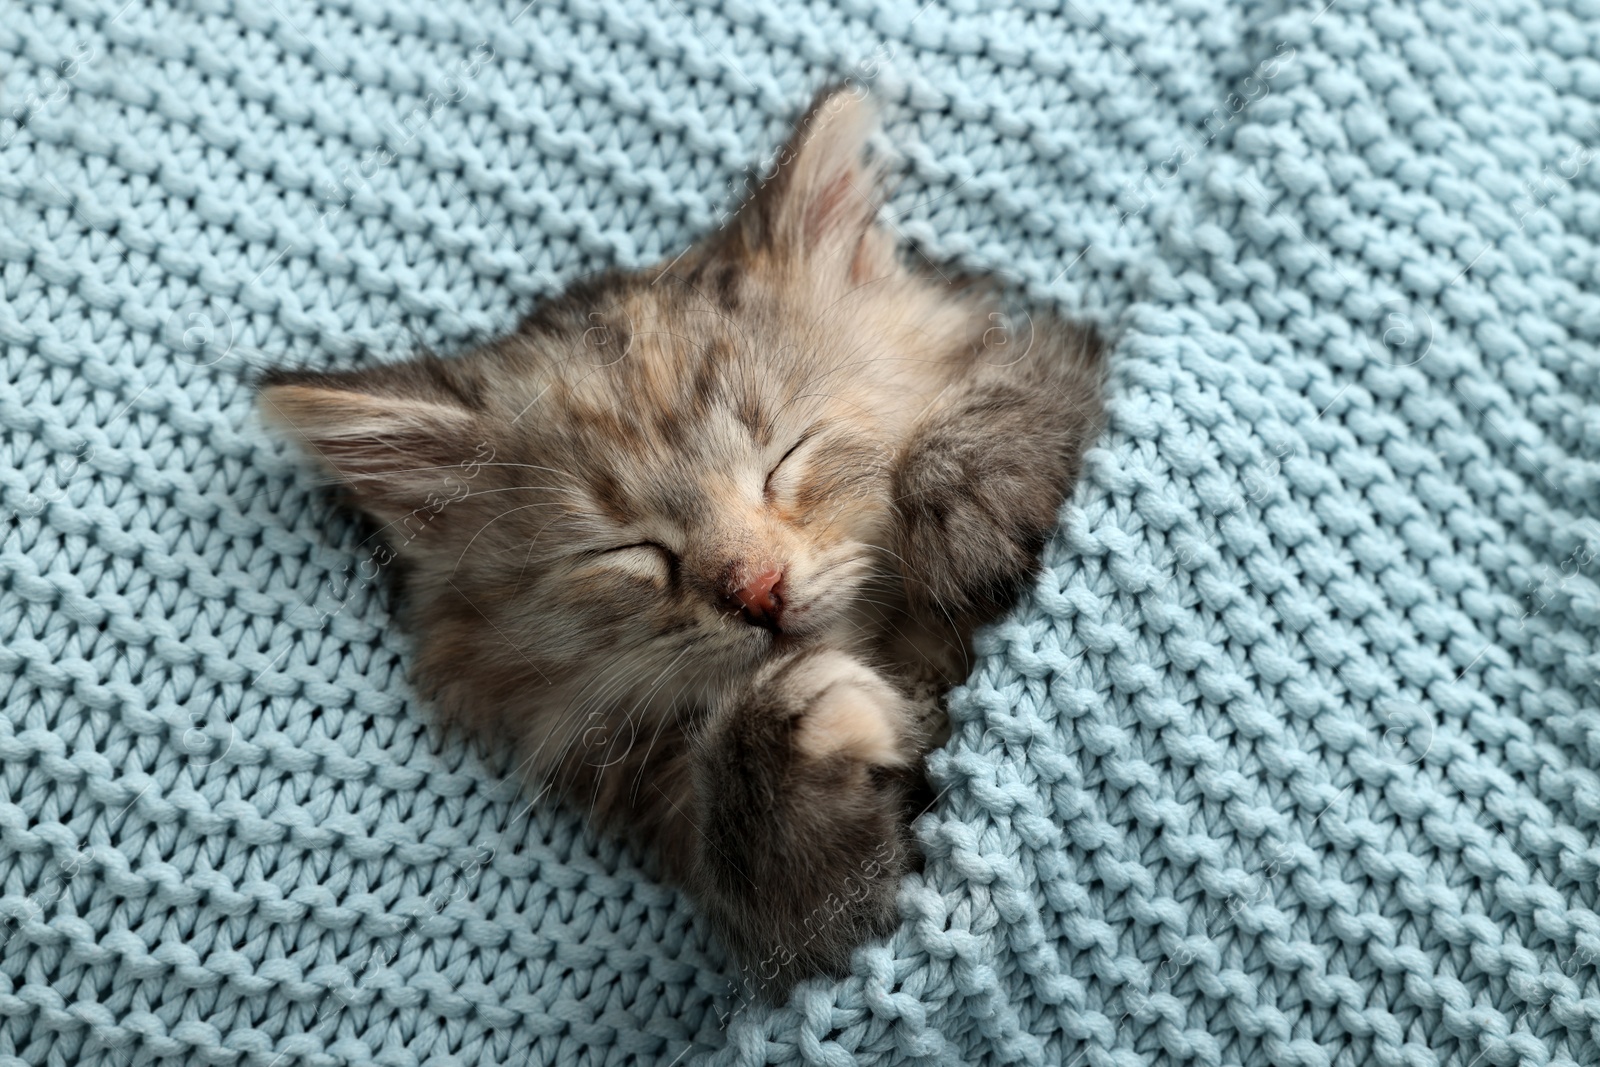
x=741 y=515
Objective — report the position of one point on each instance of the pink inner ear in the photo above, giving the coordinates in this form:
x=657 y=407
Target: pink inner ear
x=827 y=205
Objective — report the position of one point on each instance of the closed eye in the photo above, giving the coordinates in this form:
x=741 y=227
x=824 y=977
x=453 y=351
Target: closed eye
x=635 y=555
x=666 y=553
x=766 y=489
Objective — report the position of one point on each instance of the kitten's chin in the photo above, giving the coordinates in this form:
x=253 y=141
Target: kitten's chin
x=784 y=643
x=763 y=645
x=801 y=637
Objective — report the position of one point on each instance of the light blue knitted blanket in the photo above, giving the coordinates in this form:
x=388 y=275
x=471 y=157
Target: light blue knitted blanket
x=1290 y=758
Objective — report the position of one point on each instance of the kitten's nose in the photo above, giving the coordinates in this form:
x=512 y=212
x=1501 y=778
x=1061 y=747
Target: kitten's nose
x=760 y=600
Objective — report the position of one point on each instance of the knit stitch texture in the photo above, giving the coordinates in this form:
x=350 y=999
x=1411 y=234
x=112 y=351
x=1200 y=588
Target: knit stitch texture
x=1290 y=758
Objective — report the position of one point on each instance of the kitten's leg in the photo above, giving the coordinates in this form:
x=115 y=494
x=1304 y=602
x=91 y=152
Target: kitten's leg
x=804 y=783
x=979 y=486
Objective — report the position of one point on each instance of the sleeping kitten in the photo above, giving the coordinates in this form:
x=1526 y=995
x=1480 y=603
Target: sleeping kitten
x=707 y=541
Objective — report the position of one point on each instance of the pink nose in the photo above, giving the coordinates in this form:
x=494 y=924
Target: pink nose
x=760 y=600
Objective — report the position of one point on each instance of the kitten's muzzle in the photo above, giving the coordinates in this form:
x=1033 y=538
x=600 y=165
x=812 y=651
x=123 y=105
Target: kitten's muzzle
x=759 y=599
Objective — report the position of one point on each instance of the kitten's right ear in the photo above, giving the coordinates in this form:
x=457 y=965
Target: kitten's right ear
x=396 y=435
x=817 y=211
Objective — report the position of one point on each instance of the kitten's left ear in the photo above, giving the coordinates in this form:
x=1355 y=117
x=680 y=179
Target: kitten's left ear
x=817 y=211
x=397 y=435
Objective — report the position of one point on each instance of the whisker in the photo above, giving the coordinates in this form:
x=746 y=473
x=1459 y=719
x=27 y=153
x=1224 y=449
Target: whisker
x=491 y=522
x=520 y=488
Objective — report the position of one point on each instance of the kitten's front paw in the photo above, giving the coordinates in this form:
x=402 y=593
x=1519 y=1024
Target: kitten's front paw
x=803 y=786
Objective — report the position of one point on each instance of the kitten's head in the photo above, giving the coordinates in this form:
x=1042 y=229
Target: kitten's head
x=665 y=476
